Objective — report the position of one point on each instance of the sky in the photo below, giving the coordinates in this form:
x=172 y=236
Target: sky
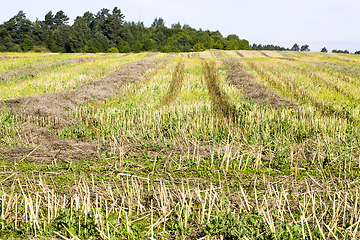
x=334 y=24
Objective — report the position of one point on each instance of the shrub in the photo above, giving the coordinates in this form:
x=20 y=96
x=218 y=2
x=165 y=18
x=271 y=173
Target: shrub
x=27 y=45
x=199 y=47
x=113 y=50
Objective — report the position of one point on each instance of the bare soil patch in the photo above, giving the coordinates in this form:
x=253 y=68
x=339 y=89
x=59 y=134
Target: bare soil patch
x=9 y=57
x=265 y=54
x=195 y=55
x=254 y=91
x=239 y=53
x=6 y=76
x=41 y=146
x=217 y=54
x=304 y=54
x=283 y=54
x=152 y=54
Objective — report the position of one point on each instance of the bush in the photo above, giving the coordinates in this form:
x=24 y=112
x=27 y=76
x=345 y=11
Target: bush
x=124 y=47
x=27 y=45
x=199 y=47
x=357 y=52
x=37 y=50
x=113 y=50
x=340 y=51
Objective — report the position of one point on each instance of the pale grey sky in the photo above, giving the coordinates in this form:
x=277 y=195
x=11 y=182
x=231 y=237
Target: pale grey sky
x=334 y=24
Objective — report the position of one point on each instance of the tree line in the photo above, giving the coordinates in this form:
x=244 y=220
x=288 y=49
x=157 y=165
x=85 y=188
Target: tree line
x=295 y=47
x=106 y=31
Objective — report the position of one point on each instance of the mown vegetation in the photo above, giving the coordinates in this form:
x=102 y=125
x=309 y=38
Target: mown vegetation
x=185 y=154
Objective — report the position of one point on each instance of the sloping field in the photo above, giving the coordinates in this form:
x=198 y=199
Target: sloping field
x=211 y=145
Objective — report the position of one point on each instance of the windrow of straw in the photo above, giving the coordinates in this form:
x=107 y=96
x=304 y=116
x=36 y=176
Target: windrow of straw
x=219 y=100
x=309 y=89
x=175 y=85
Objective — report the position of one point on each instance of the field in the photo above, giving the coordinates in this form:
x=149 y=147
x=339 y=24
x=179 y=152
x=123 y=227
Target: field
x=209 y=145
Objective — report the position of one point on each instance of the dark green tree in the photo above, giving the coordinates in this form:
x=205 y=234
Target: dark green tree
x=107 y=29
x=104 y=41
x=20 y=27
x=158 y=23
x=49 y=20
x=89 y=19
x=340 y=51
x=160 y=38
x=40 y=32
x=61 y=36
x=27 y=45
x=60 y=18
x=295 y=47
x=149 y=44
x=110 y=24
x=324 y=50
x=124 y=47
x=79 y=34
x=234 y=43
x=305 y=47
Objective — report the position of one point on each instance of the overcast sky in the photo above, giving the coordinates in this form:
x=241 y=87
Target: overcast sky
x=334 y=24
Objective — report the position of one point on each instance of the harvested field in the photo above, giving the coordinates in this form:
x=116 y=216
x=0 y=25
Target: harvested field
x=265 y=54
x=58 y=104
x=6 y=76
x=284 y=54
x=251 y=54
x=217 y=54
x=181 y=146
x=240 y=54
x=254 y=91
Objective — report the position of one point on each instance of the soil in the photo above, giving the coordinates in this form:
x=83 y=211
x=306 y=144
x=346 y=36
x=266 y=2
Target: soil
x=239 y=53
x=45 y=147
x=217 y=54
x=195 y=55
x=325 y=54
x=6 y=76
x=265 y=54
x=302 y=53
x=8 y=57
x=253 y=90
x=283 y=54
x=152 y=54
